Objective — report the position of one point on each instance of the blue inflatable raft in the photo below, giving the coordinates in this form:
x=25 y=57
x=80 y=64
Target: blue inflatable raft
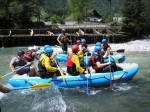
x=126 y=73
x=119 y=58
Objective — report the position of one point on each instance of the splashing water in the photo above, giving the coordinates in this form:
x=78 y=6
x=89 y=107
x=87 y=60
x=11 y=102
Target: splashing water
x=50 y=101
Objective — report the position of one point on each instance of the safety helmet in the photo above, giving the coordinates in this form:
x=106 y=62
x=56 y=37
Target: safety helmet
x=20 y=52
x=75 y=48
x=98 y=44
x=104 y=40
x=49 y=50
x=78 y=41
x=83 y=40
x=46 y=46
x=98 y=48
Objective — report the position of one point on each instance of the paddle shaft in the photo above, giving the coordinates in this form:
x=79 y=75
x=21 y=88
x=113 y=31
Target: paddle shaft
x=120 y=50
x=63 y=77
x=13 y=72
x=110 y=72
x=88 y=91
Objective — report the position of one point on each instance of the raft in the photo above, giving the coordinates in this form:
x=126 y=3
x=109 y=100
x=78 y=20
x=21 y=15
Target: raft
x=118 y=58
x=125 y=73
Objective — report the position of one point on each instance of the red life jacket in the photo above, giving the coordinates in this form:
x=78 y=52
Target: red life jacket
x=28 y=55
x=69 y=62
x=92 y=62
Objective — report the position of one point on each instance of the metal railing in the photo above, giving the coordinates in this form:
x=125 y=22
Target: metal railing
x=76 y=26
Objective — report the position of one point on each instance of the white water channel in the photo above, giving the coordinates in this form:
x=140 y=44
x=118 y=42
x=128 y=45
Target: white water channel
x=127 y=97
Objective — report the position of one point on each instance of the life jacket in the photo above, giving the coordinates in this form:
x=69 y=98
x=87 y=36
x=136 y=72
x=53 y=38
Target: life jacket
x=19 y=62
x=69 y=62
x=28 y=55
x=64 y=39
x=40 y=67
x=92 y=61
x=85 y=46
x=71 y=67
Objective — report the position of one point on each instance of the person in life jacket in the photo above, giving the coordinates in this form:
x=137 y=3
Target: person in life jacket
x=83 y=46
x=106 y=46
x=63 y=41
x=46 y=70
x=30 y=55
x=73 y=63
x=78 y=42
x=97 y=44
x=20 y=62
x=97 y=62
x=54 y=53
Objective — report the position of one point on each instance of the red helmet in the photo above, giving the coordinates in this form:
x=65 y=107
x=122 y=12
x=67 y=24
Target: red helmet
x=78 y=41
x=75 y=48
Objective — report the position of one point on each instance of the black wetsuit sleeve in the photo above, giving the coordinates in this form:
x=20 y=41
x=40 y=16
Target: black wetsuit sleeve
x=97 y=58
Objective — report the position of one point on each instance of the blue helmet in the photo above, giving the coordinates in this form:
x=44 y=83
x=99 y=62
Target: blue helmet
x=98 y=44
x=98 y=48
x=46 y=46
x=104 y=40
x=49 y=50
x=83 y=40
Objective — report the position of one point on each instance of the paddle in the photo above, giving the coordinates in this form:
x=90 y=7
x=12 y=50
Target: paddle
x=110 y=72
x=37 y=86
x=120 y=50
x=62 y=74
x=1 y=77
x=87 y=92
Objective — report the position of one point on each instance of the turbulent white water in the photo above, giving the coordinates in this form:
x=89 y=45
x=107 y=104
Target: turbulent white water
x=136 y=92
x=137 y=45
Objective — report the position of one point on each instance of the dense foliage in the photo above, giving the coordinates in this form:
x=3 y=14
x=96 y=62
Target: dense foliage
x=23 y=13
x=136 y=16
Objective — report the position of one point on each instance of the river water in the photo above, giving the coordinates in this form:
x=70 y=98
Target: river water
x=133 y=96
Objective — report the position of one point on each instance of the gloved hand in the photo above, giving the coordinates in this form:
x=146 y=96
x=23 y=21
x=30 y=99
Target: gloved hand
x=86 y=72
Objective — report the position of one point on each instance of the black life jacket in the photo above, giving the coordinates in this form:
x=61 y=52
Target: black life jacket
x=42 y=70
x=28 y=55
x=64 y=39
x=92 y=61
x=19 y=62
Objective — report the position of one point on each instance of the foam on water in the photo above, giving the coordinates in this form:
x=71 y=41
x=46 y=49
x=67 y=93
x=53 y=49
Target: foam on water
x=137 y=45
x=1 y=95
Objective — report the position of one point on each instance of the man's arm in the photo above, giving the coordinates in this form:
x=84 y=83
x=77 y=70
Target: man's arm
x=58 y=39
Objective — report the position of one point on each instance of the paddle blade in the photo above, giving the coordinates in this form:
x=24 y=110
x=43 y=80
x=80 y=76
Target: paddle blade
x=40 y=86
x=116 y=61
x=37 y=86
x=120 y=50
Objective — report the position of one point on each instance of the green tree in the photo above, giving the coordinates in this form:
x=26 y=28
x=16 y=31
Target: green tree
x=145 y=14
x=77 y=9
x=132 y=12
